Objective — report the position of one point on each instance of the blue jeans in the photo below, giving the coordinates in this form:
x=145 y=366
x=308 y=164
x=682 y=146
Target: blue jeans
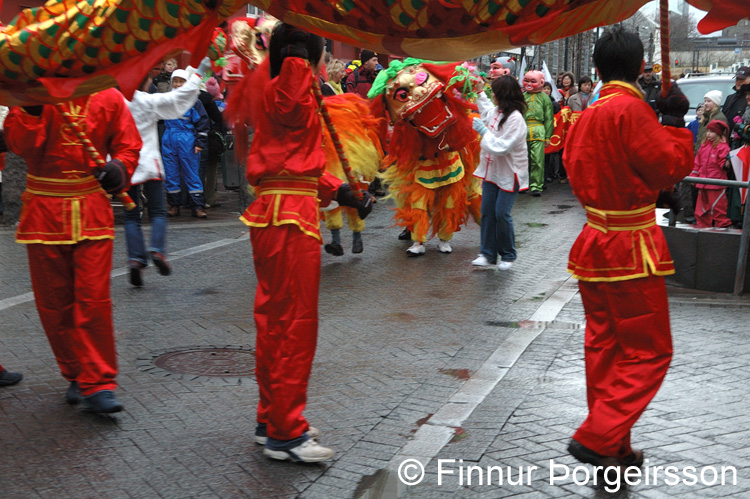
x=157 y=213
x=496 y=227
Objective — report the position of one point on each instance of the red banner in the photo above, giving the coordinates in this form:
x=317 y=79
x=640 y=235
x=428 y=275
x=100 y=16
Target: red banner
x=563 y=121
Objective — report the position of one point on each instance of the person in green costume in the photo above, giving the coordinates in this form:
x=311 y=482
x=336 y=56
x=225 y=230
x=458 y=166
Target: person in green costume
x=539 y=120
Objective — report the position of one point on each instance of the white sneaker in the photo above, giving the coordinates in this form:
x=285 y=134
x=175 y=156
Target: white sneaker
x=444 y=246
x=310 y=451
x=504 y=265
x=312 y=432
x=481 y=261
x=416 y=249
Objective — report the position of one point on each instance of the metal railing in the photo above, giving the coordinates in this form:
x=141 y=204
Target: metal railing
x=739 y=277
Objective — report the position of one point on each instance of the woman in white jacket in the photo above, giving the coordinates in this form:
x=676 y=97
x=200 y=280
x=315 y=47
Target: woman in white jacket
x=147 y=109
x=503 y=168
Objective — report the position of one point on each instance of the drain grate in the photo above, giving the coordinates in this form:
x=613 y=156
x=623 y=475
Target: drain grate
x=209 y=361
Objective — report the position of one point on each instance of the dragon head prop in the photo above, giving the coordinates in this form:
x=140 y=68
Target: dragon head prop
x=250 y=37
x=533 y=81
x=413 y=91
x=502 y=66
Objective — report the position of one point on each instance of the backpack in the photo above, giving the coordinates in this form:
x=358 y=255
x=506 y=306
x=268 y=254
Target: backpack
x=356 y=81
x=216 y=143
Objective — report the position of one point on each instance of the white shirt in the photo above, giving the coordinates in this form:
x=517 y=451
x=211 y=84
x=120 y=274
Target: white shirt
x=504 y=157
x=147 y=109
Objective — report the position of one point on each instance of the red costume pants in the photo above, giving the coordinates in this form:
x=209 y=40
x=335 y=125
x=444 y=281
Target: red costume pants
x=628 y=349
x=71 y=288
x=287 y=265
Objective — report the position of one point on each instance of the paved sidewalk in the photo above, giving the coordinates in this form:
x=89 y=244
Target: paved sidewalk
x=406 y=347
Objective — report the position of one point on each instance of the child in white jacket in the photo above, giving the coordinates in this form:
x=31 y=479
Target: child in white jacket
x=503 y=168
x=147 y=109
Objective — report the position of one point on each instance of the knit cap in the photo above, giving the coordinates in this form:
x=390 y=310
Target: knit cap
x=212 y=87
x=366 y=55
x=714 y=96
x=718 y=127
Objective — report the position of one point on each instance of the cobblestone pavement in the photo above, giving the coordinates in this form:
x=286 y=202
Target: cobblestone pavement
x=424 y=358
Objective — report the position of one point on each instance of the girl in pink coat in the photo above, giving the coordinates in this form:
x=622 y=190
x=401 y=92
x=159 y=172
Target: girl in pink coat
x=711 y=206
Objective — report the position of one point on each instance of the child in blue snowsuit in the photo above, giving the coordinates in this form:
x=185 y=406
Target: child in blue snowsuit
x=181 y=147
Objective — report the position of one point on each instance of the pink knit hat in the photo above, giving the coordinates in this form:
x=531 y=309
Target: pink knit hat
x=212 y=87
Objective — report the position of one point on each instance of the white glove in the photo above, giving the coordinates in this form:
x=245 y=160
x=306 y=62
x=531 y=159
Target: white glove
x=479 y=126
x=204 y=67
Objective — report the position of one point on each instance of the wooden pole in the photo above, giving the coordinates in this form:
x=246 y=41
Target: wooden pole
x=350 y=178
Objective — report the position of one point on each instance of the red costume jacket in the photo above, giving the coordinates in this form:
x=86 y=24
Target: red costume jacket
x=287 y=161
x=617 y=177
x=63 y=202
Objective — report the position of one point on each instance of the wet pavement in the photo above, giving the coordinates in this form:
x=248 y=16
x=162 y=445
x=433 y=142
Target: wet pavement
x=421 y=362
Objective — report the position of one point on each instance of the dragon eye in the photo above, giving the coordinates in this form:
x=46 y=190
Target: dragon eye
x=401 y=94
x=421 y=78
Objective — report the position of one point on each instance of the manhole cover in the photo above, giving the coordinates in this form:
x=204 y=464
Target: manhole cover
x=209 y=361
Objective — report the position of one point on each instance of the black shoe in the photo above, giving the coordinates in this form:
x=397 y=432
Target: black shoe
x=635 y=458
x=136 y=273
x=586 y=455
x=405 y=235
x=73 y=394
x=334 y=249
x=357 y=246
x=536 y=194
x=690 y=220
x=8 y=378
x=161 y=263
x=103 y=402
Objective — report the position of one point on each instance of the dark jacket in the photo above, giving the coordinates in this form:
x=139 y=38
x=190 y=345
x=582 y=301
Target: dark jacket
x=651 y=90
x=212 y=110
x=360 y=81
x=555 y=106
x=735 y=105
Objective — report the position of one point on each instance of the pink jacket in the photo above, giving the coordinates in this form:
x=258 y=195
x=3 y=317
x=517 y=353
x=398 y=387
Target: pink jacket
x=709 y=163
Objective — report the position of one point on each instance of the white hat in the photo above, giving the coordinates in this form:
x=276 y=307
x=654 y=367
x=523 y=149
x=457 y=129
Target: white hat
x=181 y=73
x=713 y=95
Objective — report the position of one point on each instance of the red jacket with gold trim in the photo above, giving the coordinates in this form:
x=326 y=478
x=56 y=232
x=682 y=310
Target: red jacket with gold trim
x=63 y=202
x=287 y=160
x=618 y=156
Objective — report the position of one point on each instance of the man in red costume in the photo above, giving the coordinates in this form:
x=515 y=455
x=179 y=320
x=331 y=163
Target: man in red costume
x=619 y=157
x=287 y=168
x=68 y=226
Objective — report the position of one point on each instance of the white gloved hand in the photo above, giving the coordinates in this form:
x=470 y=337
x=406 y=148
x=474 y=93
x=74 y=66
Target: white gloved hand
x=204 y=67
x=479 y=126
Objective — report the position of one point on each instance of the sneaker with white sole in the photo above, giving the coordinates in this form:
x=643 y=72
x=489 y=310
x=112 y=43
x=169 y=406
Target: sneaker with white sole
x=261 y=437
x=444 y=246
x=504 y=265
x=481 y=261
x=416 y=249
x=310 y=451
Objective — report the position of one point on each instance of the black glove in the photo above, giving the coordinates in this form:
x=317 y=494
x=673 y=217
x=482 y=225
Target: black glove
x=113 y=176
x=668 y=198
x=673 y=108
x=33 y=110
x=346 y=197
